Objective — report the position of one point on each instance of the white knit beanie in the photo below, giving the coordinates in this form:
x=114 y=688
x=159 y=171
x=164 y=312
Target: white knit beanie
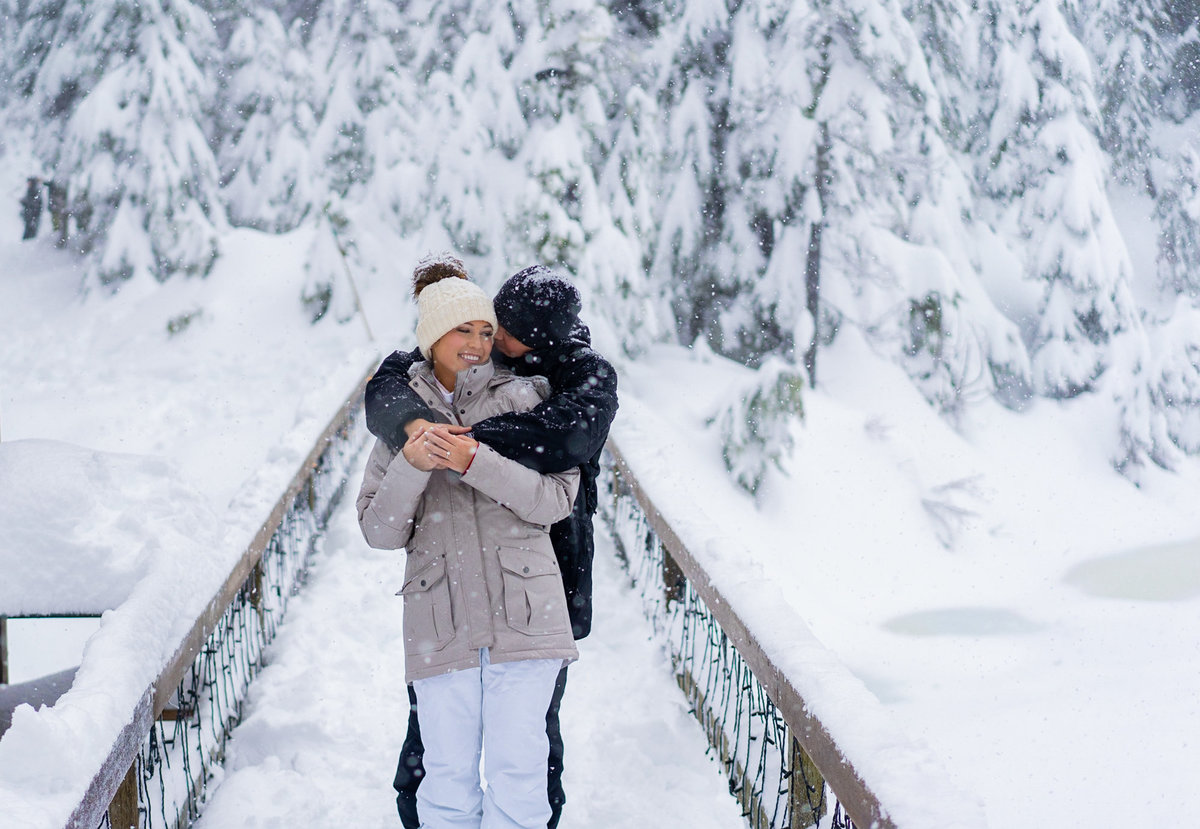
x=447 y=304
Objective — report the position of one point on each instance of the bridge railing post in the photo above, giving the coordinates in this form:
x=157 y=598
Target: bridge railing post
x=673 y=579
x=806 y=789
x=123 y=812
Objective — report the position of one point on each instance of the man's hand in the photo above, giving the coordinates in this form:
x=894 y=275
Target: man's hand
x=416 y=426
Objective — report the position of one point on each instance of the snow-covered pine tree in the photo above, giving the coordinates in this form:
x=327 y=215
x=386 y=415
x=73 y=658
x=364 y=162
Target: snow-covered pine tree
x=119 y=98
x=756 y=425
x=354 y=47
x=870 y=95
x=769 y=167
x=356 y=51
x=616 y=261
x=694 y=91
x=271 y=181
x=562 y=85
x=641 y=18
x=947 y=31
x=1127 y=39
x=33 y=26
x=467 y=105
x=1177 y=210
x=591 y=131
x=1047 y=171
x=1136 y=381
x=1176 y=369
x=330 y=264
x=632 y=171
x=1041 y=163
x=10 y=30
x=480 y=69
x=959 y=343
x=884 y=207
x=1183 y=79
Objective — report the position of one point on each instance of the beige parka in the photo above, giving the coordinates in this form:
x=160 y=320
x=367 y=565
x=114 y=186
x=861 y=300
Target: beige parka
x=480 y=570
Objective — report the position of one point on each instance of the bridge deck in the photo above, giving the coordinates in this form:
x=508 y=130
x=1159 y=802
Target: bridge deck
x=326 y=718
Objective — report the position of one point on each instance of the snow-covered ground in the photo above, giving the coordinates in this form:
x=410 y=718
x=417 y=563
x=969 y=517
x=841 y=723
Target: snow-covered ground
x=1018 y=608
x=1041 y=653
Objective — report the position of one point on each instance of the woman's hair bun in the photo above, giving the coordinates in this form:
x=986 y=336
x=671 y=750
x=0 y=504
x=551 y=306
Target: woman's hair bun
x=436 y=267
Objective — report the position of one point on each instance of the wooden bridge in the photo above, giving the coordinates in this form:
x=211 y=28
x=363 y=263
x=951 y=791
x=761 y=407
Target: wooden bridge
x=677 y=714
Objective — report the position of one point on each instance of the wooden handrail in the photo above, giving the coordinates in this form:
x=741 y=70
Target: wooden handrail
x=103 y=787
x=854 y=794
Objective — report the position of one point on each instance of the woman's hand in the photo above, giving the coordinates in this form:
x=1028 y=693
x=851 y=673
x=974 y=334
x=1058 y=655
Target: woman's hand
x=415 y=453
x=447 y=447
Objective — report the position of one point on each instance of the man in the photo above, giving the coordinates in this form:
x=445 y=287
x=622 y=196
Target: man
x=539 y=332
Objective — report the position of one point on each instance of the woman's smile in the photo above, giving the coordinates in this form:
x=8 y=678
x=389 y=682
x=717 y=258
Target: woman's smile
x=463 y=346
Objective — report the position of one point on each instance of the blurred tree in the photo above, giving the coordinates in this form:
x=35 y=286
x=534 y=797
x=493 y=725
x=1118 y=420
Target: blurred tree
x=118 y=96
x=1042 y=164
x=267 y=120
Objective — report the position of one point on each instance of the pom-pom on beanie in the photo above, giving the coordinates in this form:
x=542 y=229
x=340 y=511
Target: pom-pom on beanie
x=538 y=307
x=445 y=304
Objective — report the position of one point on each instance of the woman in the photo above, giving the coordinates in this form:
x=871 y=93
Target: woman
x=486 y=628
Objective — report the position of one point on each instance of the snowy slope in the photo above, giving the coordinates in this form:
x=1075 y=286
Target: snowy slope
x=1016 y=606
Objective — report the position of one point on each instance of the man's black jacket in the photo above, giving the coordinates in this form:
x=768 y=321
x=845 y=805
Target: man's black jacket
x=568 y=430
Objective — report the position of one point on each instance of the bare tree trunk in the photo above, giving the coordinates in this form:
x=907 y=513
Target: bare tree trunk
x=812 y=267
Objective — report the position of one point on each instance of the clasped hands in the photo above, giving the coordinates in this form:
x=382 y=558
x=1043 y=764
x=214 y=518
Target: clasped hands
x=433 y=446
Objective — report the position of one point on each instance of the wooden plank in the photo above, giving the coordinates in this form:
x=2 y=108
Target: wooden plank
x=94 y=805
x=859 y=802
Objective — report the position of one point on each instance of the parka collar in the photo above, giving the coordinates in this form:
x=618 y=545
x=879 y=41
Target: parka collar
x=468 y=382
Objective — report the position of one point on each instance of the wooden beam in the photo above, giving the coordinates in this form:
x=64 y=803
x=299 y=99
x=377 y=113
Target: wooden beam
x=104 y=786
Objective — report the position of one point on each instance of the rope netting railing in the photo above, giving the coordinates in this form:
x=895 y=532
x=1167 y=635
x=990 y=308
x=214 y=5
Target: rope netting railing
x=158 y=770
x=189 y=738
x=768 y=760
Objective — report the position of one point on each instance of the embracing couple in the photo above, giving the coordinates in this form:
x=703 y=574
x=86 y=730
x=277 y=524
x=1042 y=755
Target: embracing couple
x=489 y=439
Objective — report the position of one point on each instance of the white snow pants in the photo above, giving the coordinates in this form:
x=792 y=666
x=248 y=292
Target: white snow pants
x=499 y=711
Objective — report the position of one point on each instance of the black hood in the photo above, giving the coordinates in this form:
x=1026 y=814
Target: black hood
x=538 y=307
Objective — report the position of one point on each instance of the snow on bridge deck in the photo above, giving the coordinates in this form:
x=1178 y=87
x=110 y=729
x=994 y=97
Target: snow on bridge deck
x=325 y=720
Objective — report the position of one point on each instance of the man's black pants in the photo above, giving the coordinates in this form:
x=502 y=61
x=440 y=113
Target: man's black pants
x=411 y=769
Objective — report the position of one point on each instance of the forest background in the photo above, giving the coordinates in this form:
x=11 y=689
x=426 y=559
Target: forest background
x=1003 y=197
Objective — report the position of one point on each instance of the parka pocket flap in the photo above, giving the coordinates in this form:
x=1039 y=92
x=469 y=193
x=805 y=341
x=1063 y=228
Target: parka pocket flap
x=426 y=577
x=521 y=561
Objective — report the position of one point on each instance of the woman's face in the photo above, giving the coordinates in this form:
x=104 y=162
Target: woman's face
x=463 y=346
